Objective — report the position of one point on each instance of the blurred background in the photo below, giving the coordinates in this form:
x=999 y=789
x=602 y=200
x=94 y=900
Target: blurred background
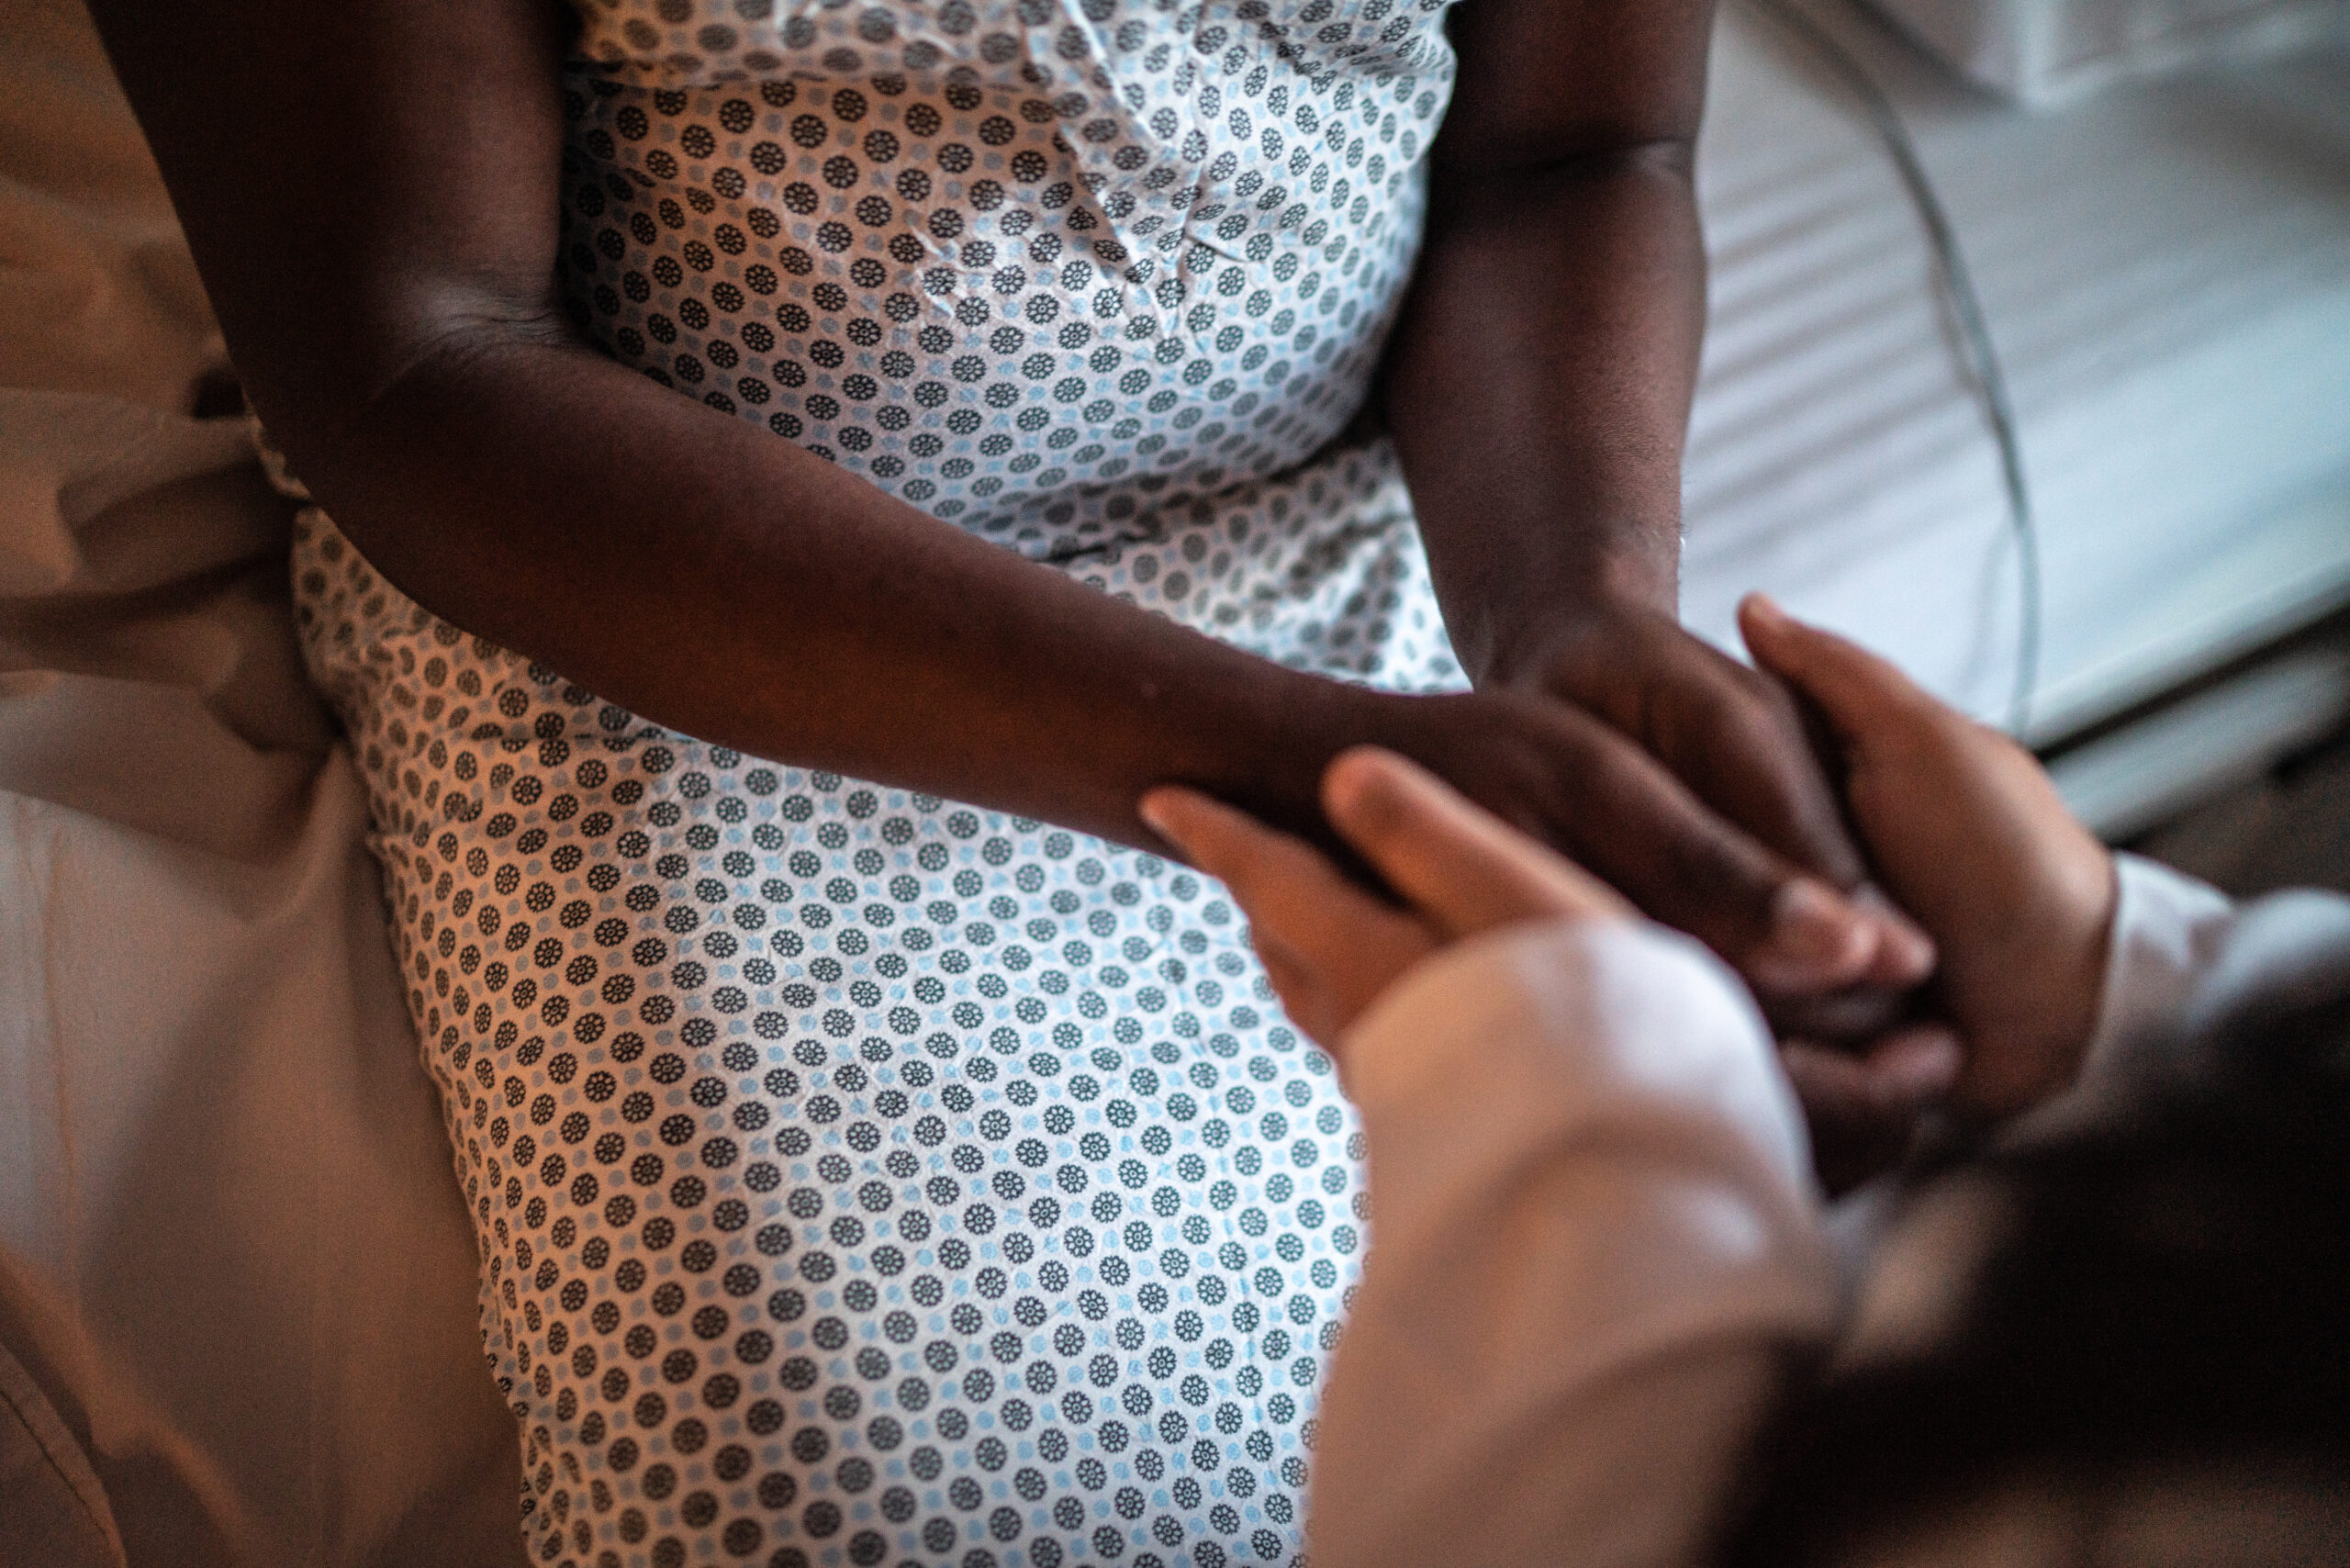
x=2030 y=363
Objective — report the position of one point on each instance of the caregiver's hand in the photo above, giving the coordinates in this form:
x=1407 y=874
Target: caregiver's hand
x=1732 y=736
x=1329 y=946
x=1969 y=834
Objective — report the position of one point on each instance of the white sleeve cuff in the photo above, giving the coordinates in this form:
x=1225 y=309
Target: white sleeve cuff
x=2168 y=931
x=1619 y=1010
x=1594 y=1234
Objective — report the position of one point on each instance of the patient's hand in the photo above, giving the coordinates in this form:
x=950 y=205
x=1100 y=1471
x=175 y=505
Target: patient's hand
x=1968 y=834
x=1330 y=948
x=1735 y=738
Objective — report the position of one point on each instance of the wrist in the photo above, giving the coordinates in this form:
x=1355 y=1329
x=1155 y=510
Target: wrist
x=1453 y=733
x=1297 y=725
x=2036 y=1043
x=2086 y=892
x=1521 y=626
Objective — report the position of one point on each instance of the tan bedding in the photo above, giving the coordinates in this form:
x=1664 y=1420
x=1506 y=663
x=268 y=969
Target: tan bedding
x=237 y=1316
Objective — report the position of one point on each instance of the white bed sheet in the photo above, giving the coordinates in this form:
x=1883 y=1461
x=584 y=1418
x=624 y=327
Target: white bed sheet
x=2167 y=273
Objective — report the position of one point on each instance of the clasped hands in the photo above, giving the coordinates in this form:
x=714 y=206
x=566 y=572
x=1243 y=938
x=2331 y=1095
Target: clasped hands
x=1991 y=950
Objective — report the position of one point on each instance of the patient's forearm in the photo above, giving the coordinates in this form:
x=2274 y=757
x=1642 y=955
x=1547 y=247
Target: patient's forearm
x=370 y=190
x=740 y=588
x=1539 y=390
x=1540 y=380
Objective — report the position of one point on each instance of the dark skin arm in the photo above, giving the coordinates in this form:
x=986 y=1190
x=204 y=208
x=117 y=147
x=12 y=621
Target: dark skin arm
x=369 y=189
x=1539 y=388
x=1540 y=380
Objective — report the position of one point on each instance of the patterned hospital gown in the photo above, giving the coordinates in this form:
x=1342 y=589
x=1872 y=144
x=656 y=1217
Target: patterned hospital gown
x=861 y=1177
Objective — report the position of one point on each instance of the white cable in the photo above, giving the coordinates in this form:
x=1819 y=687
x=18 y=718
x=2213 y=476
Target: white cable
x=1958 y=285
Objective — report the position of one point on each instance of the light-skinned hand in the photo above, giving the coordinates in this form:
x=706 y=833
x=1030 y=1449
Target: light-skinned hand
x=1329 y=946
x=1969 y=836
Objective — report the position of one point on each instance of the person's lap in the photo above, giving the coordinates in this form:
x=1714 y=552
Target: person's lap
x=856 y=1173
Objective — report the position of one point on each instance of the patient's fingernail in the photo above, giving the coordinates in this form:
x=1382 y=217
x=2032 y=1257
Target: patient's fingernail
x=1341 y=788
x=1905 y=953
x=1816 y=937
x=1347 y=781
x=1765 y=610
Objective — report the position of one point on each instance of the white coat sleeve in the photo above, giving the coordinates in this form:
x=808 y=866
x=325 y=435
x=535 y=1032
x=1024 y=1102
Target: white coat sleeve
x=1594 y=1237
x=2183 y=957
x=2168 y=933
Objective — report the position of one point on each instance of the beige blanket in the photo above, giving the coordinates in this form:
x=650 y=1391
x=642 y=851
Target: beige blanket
x=237 y=1314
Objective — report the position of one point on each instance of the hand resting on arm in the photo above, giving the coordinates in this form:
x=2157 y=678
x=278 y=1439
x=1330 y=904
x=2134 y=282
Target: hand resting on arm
x=1594 y=1256
x=1962 y=824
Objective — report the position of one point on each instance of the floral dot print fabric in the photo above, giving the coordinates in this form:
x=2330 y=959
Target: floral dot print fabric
x=1033 y=267
x=861 y=1177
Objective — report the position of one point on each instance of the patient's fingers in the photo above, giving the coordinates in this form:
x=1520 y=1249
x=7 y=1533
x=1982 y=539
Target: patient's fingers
x=1460 y=866
x=1590 y=789
x=1865 y=1110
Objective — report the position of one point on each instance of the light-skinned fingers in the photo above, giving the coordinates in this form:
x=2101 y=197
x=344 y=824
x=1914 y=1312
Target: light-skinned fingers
x=1460 y=866
x=1292 y=975
x=1860 y=694
x=1226 y=842
x=1878 y=713
x=1281 y=883
x=1295 y=981
x=1325 y=999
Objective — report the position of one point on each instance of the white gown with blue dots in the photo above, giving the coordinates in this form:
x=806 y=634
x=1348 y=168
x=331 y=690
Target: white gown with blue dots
x=863 y=1178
